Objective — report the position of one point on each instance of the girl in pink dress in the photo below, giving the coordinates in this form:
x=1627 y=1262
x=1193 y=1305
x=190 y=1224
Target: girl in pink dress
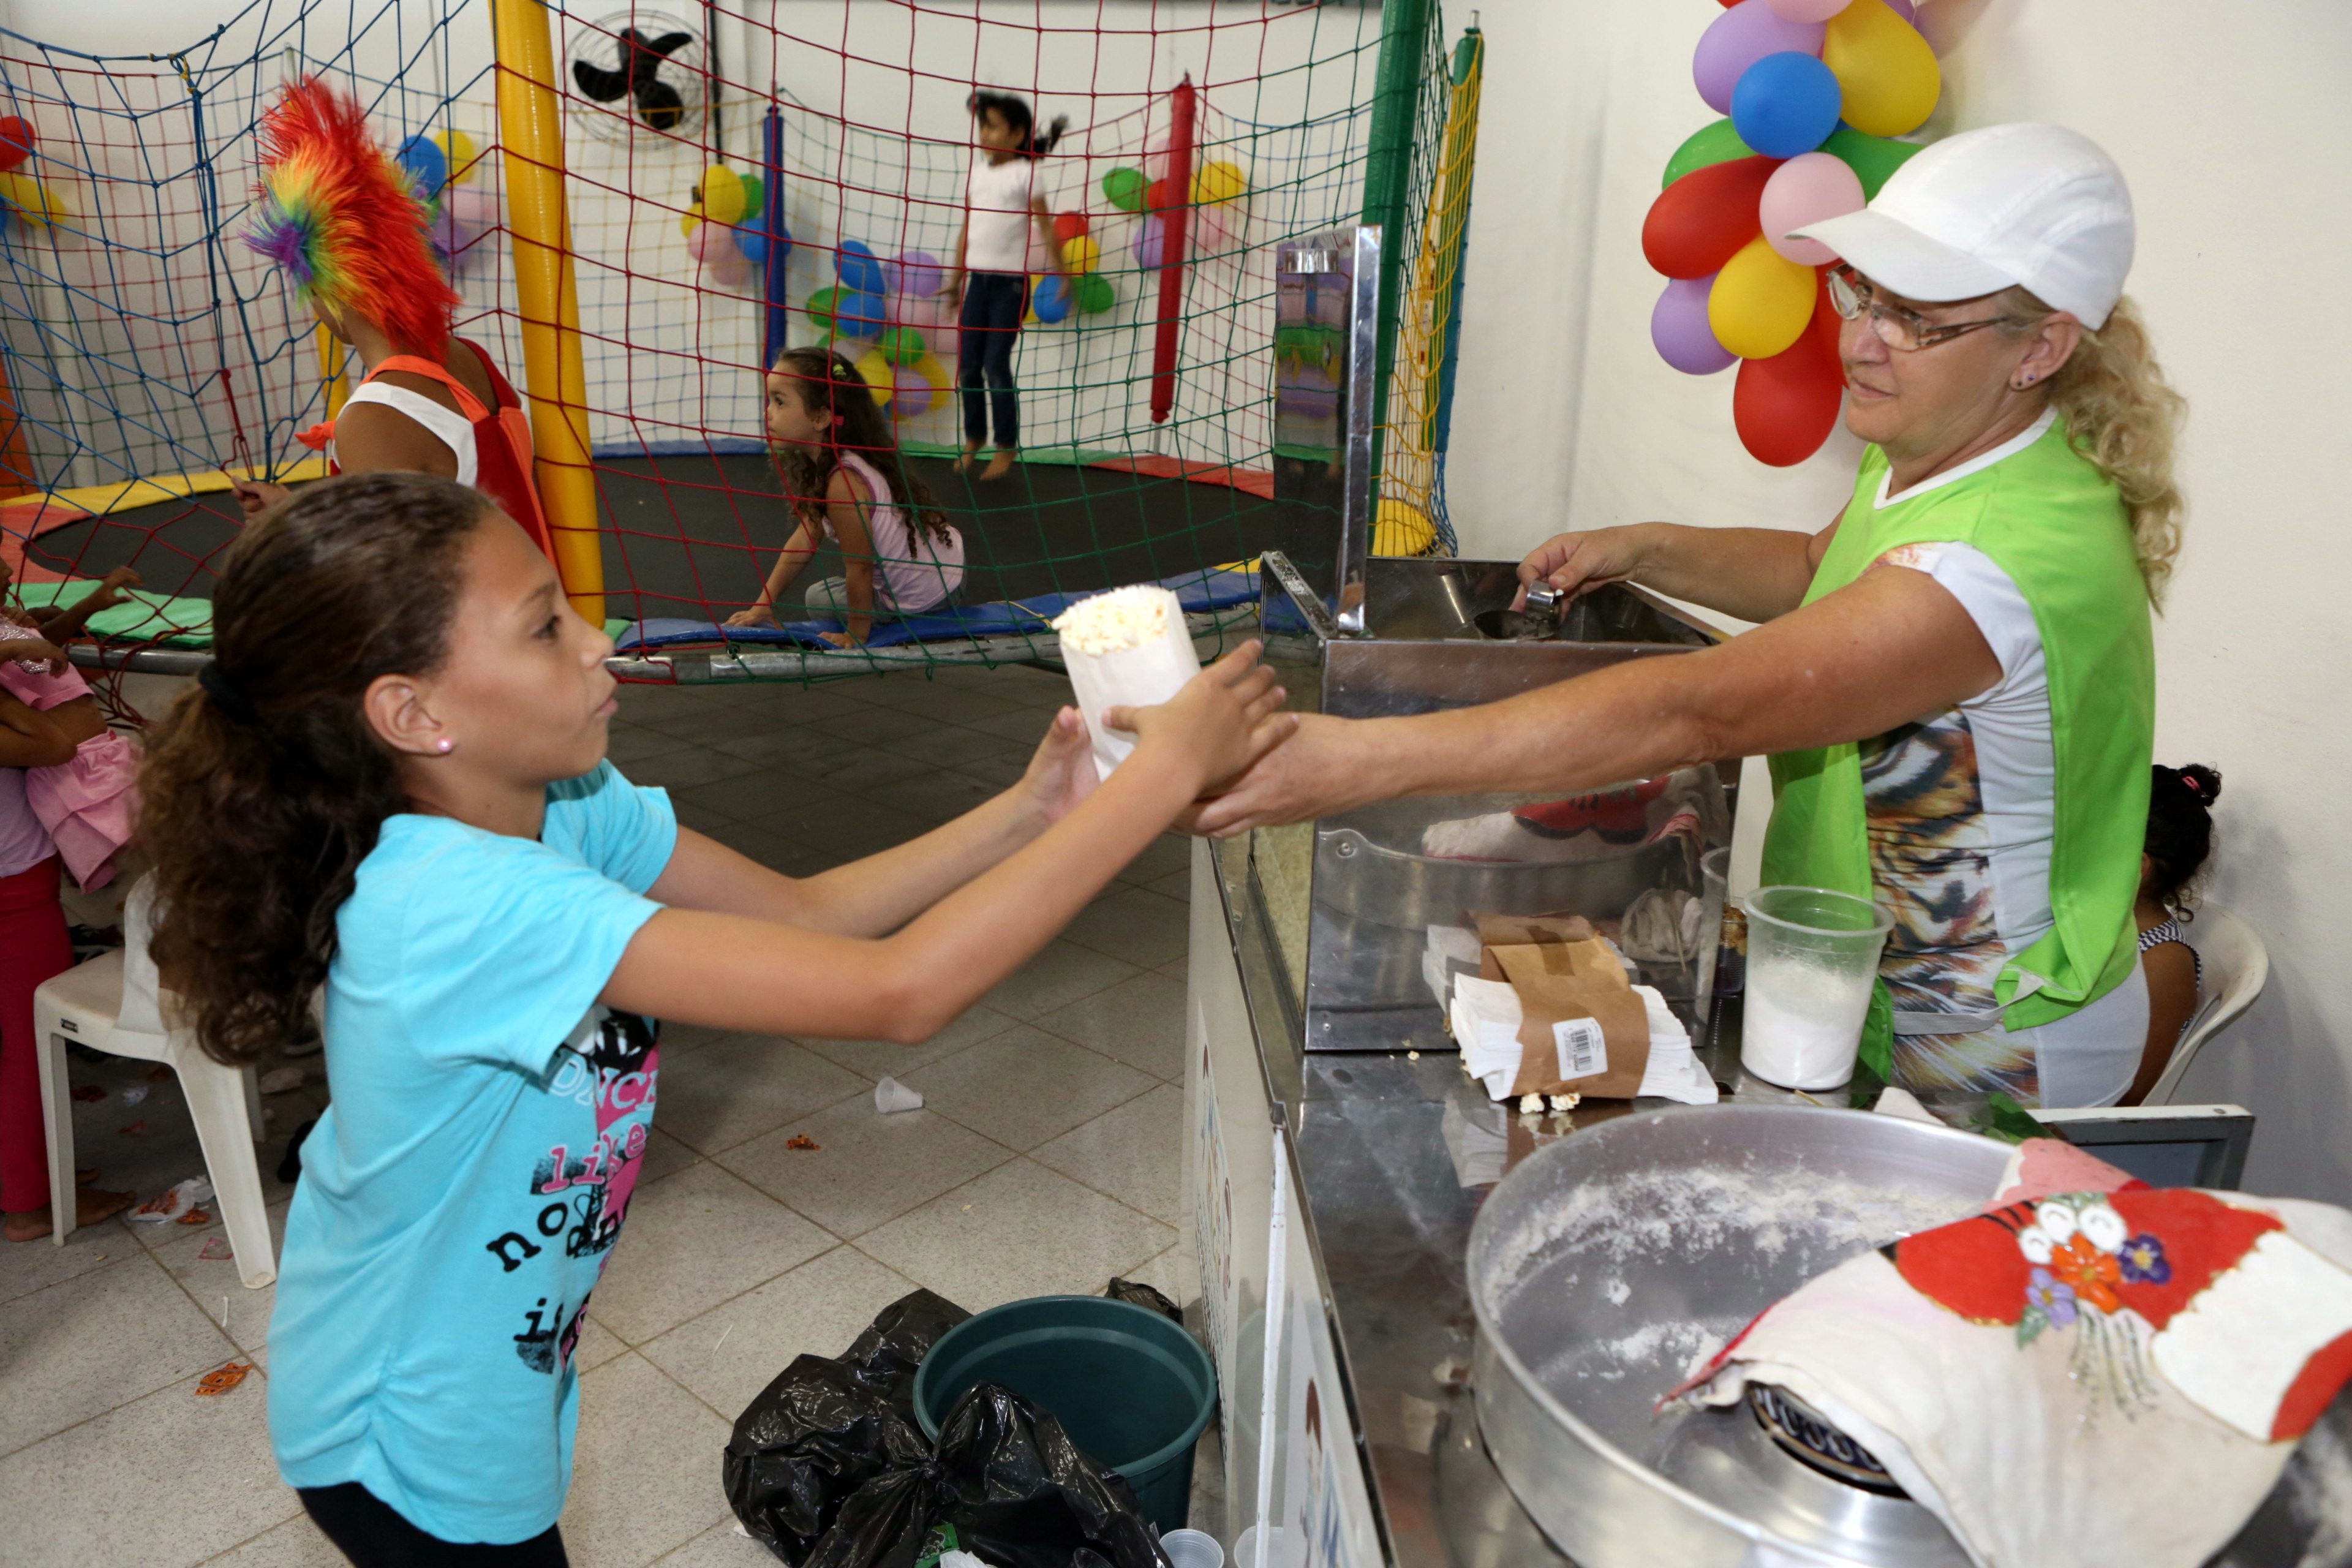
x=87 y=802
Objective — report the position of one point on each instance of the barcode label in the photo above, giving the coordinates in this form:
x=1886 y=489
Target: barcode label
x=1583 y=1049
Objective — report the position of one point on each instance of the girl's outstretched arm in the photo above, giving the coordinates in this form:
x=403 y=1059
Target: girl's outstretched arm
x=797 y=553
x=729 y=973
x=877 y=895
x=64 y=625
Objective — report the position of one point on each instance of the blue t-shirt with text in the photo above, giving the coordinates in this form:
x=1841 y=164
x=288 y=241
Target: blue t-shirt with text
x=462 y=1193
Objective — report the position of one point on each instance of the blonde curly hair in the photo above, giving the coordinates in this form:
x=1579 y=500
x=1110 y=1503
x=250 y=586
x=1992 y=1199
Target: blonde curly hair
x=2122 y=415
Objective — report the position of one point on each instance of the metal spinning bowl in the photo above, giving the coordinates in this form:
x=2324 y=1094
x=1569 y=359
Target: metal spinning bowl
x=1610 y=1265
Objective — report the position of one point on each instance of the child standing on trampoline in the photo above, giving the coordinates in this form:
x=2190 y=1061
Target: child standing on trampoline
x=843 y=473
x=391 y=783
x=341 y=218
x=1002 y=202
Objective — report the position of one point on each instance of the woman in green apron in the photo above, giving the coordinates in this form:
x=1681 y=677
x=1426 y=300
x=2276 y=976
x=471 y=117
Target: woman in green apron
x=1954 y=679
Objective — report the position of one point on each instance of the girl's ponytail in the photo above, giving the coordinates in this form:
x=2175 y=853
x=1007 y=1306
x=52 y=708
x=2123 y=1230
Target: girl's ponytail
x=266 y=786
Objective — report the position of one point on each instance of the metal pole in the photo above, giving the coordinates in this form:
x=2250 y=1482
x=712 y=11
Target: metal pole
x=530 y=127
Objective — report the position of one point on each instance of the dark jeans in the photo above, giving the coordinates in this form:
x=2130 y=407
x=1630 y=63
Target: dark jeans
x=993 y=304
x=372 y=1534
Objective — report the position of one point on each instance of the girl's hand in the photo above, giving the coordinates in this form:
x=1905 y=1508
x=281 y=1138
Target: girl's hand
x=18 y=644
x=952 y=289
x=110 y=591
x=839 y=639
x=1222 y=722
x=1062 y=771
x=257 y=496
x=757 y=615
x=1576 y=564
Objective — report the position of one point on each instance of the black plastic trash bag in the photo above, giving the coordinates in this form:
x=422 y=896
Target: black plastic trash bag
x=826 y=1427
x=1020 y=1494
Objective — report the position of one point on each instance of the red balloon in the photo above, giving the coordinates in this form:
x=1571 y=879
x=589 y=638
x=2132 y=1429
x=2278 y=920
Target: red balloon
x=1700 y=221
x=16 y=141
x=1069 y=225
x=1785 y=407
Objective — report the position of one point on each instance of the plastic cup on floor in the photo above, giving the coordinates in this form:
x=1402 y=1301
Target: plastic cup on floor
x=1192 y=1549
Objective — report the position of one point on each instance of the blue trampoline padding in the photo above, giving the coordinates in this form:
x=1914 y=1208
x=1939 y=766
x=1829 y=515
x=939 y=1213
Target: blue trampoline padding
x=1201 y=592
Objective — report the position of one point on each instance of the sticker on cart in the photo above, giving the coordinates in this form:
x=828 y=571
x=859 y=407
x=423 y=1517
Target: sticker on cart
x=1583 y=1049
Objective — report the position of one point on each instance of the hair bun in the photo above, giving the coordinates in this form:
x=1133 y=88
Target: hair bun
x=2202 y=781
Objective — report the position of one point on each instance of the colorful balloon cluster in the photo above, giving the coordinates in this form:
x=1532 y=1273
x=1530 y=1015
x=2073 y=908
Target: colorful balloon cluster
x=896 y=304
x=30 y=204
x=725 y=228
x=1813 y=91
x=445 y=170
x=1053 y=295
x=1219 y=186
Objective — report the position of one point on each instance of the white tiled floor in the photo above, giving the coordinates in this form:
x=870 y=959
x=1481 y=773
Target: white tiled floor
x=1047 y=1160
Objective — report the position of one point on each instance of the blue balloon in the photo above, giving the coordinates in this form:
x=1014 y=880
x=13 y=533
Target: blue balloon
x=751 y=239
x=862 y=315
x=1785 y=104
x=1052 y=301
x=860 y=270
x=425 y=164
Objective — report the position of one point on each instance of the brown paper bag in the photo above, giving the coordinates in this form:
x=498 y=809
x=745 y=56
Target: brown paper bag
x=1584 y=1031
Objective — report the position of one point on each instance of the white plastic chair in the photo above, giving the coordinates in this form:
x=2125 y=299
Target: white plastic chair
x=111 y=1003
x=2236 y=966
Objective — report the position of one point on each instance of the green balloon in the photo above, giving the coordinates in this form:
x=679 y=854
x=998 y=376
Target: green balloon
x=1716 y=143
x=1123 y=188
x=821 y=303
x=902 y=345
x=1873 y=158
x=755 y=198
x=1096 y=294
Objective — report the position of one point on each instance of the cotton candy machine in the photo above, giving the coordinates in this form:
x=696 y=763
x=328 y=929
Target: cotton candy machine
x=1610 y=1265
x=1441 y=634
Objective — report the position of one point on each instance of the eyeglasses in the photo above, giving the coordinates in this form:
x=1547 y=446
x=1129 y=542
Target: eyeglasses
x=1899 y=327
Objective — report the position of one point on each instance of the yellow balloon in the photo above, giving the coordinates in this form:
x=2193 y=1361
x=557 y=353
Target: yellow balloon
x=690 y=220
x=1083 y=253
x=723 y=194
x=1400 y=528
x=36 y=206
x=1885 y=71
x=880 y=378
x=1218 y=181
x=1762 y=300
x=459 y=149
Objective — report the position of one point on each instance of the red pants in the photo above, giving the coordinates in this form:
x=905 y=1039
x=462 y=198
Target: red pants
x=34 y=948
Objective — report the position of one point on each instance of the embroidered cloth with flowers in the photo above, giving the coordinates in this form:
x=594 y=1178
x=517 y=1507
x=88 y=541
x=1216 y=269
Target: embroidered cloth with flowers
x=2090 y=1370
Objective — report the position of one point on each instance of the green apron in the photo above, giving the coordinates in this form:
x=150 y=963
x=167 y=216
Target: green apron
x=2047 y=517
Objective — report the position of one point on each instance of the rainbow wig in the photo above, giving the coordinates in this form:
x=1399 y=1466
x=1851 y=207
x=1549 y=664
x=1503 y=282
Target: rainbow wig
x=340 y=216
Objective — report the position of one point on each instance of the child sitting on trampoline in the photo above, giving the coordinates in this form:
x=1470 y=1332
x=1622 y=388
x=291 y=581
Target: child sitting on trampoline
x=341 y=218
x=841 y=468
x=86 y=803
x=1002 y=202
x=392 y=781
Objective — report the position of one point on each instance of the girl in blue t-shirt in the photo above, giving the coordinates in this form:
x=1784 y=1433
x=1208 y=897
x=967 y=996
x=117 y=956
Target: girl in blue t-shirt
x=392 y=786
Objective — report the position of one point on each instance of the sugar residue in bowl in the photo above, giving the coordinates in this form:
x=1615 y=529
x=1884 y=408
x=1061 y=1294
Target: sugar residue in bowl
x=1698 y=1210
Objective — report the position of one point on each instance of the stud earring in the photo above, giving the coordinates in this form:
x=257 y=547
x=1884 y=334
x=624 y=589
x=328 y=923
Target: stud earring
x=446 y=745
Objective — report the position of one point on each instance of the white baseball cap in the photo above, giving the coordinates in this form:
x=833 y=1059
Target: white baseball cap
x=2039 y=205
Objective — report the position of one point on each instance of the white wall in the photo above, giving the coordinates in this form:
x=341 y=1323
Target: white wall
x=2236 y=132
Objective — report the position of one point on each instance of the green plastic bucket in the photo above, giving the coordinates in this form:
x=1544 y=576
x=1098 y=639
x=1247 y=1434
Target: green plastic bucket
x=1130 y=1388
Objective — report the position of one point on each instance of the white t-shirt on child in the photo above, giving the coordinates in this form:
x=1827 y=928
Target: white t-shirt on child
x=999 y=207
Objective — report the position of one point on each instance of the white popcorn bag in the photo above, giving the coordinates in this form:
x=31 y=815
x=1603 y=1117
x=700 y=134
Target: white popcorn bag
x=1126 y=648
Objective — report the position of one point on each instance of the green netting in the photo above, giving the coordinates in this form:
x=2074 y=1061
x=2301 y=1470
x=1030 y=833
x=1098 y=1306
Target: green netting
x=143 y=343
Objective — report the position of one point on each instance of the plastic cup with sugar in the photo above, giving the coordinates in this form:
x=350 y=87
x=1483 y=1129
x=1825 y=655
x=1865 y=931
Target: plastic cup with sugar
x=1126 y=648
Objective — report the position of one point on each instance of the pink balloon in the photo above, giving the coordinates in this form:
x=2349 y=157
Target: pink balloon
x=708 y=241
x=1905 y=9
x=1679 y=331
x=1738 y=40
x=1808 y=10
x=1806 y=189
x=474 y=205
